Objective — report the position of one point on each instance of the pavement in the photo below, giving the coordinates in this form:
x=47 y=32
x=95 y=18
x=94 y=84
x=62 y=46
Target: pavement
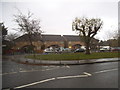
x=23 y=60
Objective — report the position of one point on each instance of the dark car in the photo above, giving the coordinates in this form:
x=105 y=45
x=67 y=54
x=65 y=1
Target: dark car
x=79 y=50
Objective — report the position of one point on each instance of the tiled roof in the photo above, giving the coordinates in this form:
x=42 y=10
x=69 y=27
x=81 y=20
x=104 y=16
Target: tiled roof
x=36 y=37
x=44 y=37
x=26 y=38
x=72 y=37
x=105 y=43
x=52 y=38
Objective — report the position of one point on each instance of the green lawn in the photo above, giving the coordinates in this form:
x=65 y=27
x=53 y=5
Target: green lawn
x=74 y=56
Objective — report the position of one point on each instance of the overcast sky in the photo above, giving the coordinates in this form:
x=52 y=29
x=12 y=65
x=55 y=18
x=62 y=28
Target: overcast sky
x=56 y=16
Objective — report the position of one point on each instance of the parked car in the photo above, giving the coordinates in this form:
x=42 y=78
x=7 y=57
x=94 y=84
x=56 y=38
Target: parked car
x=79 y=50
x=67 y=49
x=57 y=50
x=104 y=49
x=115 y=49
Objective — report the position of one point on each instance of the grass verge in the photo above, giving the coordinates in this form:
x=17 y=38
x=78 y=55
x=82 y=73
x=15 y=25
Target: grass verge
x=74 y=56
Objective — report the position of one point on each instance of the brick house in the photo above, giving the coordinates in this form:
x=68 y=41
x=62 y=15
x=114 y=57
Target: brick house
x=53 y=40
x=23 y=41
x=73 y=41
x=43 y=41
x=40 y=42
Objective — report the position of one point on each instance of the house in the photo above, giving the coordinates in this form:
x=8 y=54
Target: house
x=53 y=41
x=73 y=41
x=22 y=43
x=40 y=42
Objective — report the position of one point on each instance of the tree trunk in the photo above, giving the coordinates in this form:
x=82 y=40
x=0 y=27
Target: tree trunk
x=87 y=42
x=87 y=48
x=30 y=40
x=31 y=45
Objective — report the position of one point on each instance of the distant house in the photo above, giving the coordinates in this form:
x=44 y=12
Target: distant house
x=109 y=44
x=104 y=43
x=43 y=41
x=75 y=41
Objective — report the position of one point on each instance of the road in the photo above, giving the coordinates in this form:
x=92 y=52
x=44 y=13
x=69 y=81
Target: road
x=102 y=75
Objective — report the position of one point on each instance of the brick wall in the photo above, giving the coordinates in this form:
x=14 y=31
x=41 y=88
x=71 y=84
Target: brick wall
x=49 y=43
x=71 y=43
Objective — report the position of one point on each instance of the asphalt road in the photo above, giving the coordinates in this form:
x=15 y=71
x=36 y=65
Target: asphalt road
x=102 y=75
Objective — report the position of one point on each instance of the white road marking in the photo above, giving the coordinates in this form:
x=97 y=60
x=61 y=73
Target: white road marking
x=103 y=71
x=72 y=76
x=46 y=80
x=45 y=69
x=26 y=71
x=58 y=66
x=106 y=70
x=38 y=70
x=87 y=73
x=30 y=70
x=8 y=73
x=51 y=68
x=23 y=71
x=67 y=66
x=20 y=68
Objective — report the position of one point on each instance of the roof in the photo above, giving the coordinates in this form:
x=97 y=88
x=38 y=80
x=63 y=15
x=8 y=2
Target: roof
x=72 y=37
x=105 y=43
x=44 y=37
x=52 y=38
x=34 y=37
x=37 y=37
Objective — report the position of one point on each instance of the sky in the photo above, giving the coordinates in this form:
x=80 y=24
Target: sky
x=56 y=16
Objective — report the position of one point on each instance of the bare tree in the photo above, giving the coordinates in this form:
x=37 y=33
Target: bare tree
x=116 y=34
x=28 y=25
x=87 y=28
x=11 y=36
x=4 y=30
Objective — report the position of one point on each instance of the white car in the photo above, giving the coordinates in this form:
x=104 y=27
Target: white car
x=49 y=50
x=104 y=49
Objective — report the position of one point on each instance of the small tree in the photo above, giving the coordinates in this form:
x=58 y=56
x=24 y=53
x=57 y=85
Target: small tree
x=87 y=28
x=4 y=30
x=28 y=25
